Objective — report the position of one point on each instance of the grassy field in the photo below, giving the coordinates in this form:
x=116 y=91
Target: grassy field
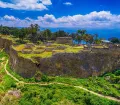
x=54 y=94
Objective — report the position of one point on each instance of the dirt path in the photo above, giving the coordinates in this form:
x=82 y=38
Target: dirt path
x=5 y=68
x=1 y=50
x=45 y=84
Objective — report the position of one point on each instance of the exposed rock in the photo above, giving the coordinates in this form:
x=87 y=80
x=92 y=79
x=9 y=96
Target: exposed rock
x=84 y=64
x=64 y=40
x=29 y=46
x=15 y=93
x=26 y=51
x=49 y=49
x=38 y=51
x=60 y=47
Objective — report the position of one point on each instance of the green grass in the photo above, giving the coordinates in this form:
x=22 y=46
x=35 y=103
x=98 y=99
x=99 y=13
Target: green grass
x=42 y=55
x=59 y=95
x=19 y=48
x=100 y=85
x=108 y=84
x=73 y=50
x=6 y=82
x=45 y=51
x=51 y=94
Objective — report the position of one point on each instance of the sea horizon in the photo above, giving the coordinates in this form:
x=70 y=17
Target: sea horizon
x=102 y=33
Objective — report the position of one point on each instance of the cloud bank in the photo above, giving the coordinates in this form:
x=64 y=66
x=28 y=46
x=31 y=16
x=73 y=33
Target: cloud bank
x=26 y=4
x=93 y=20
x=68 y=3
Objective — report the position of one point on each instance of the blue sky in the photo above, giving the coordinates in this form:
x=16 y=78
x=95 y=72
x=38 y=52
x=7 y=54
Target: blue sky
x=93 y=15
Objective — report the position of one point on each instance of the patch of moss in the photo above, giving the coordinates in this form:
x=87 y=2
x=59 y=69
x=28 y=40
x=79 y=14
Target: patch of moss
x=73 y=49
x=19 y=48
x=42 y=55
x=100 y=46
x=58 y=51
x=45 y=51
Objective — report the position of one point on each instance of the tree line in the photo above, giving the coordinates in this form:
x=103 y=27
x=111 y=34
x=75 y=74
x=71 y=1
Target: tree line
x=34 y=34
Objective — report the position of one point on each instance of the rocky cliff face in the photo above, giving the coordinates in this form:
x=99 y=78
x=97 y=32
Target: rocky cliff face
x=5 y=43
x=83 y=64
x=24 y=67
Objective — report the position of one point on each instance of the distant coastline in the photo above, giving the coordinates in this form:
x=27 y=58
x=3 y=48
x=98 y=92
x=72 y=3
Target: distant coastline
x=103 y=33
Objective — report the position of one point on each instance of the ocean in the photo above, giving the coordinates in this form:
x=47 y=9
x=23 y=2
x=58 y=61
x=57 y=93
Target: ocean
x=102 y=33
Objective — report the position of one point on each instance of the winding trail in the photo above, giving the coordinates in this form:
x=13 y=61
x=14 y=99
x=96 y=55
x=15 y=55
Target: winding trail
x=45 y=84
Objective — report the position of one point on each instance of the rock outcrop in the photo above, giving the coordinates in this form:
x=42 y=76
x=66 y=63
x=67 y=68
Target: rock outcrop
x=83 y=64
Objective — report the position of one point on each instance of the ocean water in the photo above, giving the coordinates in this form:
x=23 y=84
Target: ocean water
x=102 y=33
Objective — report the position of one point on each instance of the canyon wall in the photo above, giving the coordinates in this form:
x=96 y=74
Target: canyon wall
x=83 y=64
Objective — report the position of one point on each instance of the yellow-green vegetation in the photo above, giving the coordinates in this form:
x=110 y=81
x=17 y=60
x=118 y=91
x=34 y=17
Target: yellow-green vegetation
x=34 y=94
x=6 y=82
x=74 y=49
x=42 y=55
x=108 y=84
x=14 y=39
x=45 y=51
x=19 y=48
x=8 y=37
x=100 y=46
x=31 y=50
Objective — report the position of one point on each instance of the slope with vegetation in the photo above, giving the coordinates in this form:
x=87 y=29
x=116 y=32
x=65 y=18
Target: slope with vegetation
x=55 y=90
x=31 y=93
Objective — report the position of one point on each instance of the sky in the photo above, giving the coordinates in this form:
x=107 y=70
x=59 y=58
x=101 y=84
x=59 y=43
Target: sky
x=96 y=16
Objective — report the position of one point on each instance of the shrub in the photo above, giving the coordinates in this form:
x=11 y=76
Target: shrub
x=44 y=78
x=38 y=76
x=117 y=73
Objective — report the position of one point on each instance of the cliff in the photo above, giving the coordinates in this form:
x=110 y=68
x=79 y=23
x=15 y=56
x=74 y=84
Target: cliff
x=5 y=43
x=83 y=64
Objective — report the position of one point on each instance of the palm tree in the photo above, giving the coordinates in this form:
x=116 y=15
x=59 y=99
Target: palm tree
x=81 y=32
x=80 y=35
x=79 y=38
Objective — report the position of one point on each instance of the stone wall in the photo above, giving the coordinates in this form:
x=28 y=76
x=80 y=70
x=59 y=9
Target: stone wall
x=5 y=43
x=24 y=67
x=83 y=64
x=64 y=40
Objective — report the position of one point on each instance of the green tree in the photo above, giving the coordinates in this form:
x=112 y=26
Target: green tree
x=114 y=40
x=80 y=35
x=47 y=34
x=22 y=34
x=33 y=32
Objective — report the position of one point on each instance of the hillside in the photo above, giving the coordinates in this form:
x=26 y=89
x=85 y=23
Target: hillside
x=55 y=59
x=56 y=90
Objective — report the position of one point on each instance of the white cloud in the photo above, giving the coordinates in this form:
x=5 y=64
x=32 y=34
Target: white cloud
x=68 y=3
x=46 y=2
x=102 y=19
x=26 y=4
x=10 y=18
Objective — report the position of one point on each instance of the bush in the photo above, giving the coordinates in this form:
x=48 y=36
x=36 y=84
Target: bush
x=44 y=78
x=117 y=73
x=38 y=76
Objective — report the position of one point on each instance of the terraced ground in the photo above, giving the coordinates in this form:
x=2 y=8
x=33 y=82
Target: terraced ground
x=45 y=50
x=56 y=90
